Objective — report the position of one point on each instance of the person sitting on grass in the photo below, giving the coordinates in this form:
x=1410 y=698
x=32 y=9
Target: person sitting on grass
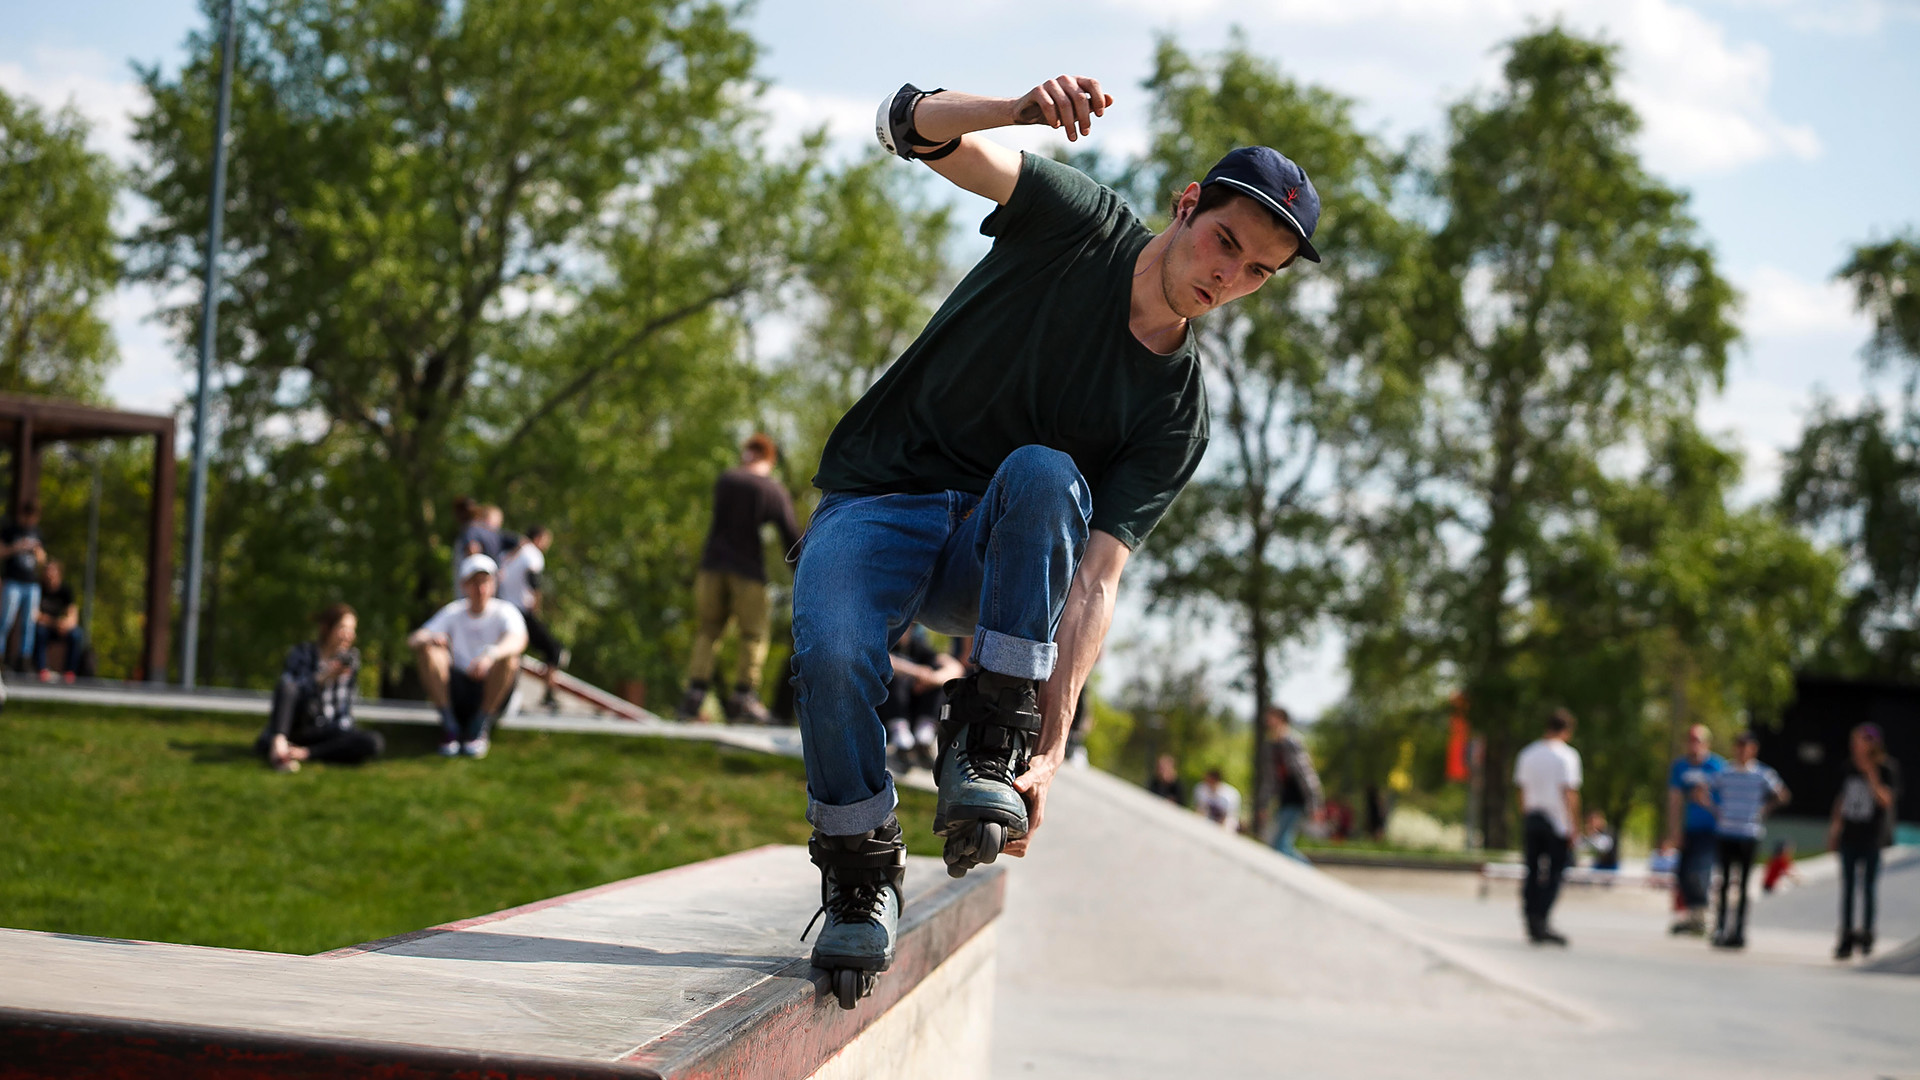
x=59 y=619
x=469 y=659
x=312 y=714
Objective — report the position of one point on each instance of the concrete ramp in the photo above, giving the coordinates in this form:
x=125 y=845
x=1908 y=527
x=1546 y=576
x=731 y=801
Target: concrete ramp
x=1142 y=940
x=693 y=972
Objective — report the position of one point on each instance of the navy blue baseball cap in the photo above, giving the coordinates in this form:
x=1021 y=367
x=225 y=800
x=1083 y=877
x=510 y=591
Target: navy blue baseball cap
x=1275 y=182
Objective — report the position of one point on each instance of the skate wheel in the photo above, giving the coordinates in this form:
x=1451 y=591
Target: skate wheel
x=991 y=838
x=846 y=987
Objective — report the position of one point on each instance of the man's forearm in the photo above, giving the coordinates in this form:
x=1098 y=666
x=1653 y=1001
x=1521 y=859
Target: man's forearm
x=951 y=114
x=1083 y=629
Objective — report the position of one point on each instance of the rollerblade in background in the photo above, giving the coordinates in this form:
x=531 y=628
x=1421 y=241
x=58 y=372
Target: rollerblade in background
x=987 y=733
x=860 y=881
x=744 y=707
x=692 y=701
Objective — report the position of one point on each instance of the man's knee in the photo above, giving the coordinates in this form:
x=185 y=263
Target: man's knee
x=1043 y=467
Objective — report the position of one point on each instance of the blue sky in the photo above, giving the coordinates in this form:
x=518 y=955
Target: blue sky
x=1793 y=123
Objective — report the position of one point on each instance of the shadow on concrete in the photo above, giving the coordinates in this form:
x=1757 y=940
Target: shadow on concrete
x=527 y=949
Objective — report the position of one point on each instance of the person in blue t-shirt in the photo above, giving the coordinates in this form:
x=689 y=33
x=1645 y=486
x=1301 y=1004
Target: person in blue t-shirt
x=1693 y=829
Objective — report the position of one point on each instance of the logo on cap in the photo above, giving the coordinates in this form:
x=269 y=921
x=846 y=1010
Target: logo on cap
x=1292 y=194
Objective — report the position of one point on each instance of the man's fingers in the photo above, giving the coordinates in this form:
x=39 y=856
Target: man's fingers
x=1096 y=97
x=1049 y=108
x=1064 y=96
x=1081 y=120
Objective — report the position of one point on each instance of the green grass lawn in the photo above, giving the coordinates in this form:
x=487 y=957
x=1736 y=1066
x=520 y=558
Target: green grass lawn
x=164 y=827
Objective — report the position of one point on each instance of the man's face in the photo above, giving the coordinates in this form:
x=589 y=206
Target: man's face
x=1744 y=752
x=1696 y=746
x=54 y=575
x=478 y=587
x=1222 y=255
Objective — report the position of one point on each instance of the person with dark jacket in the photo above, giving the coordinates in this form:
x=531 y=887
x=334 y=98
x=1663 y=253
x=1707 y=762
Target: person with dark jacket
x=1862 y=824
x=731 y=585
x=1290 y=781
x=312 y=713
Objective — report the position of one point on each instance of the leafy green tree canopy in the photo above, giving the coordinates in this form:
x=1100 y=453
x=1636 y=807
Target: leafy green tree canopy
x=57 y=258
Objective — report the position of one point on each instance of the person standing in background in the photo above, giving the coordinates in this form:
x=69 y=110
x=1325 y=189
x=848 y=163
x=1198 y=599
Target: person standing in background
x=1741 y=795
x=1291 y=782
x=1692 y=829
x=522 y=582
x=1547 y=773
x=1862 y=824
x=21 y=553
x=472 y=536
x=731 y=585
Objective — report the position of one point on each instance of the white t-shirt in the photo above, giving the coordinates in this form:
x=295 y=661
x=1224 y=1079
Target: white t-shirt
x=516 y=578
x=1543 y=770
x=1220 y=805
x=469 y=635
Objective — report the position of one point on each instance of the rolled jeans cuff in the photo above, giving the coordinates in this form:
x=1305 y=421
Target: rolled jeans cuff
x=854 y=818
x=1005 y=654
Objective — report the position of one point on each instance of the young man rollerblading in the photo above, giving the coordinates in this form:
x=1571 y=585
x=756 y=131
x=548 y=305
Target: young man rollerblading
x=994 y=482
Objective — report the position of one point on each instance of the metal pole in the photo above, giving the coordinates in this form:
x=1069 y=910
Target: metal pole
x=93 y=546
x=209 y=313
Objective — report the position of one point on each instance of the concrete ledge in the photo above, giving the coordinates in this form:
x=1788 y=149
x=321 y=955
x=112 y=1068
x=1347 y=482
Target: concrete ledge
x=691 y=972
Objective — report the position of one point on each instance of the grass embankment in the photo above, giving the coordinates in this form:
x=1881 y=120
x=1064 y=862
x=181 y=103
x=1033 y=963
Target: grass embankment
x=164 y=827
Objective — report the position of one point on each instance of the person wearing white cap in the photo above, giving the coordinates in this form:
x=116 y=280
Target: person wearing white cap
x=469 y=658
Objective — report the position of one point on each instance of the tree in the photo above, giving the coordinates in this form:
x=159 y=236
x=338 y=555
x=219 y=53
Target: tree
x=1575 y=311
x=1855 y=477
x=1302 y=374
x=56 y=253
x=448 y=226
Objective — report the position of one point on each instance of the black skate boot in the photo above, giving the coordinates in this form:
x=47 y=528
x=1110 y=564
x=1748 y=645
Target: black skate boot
x=860 y=880
x=987 y=731
x=692 y=701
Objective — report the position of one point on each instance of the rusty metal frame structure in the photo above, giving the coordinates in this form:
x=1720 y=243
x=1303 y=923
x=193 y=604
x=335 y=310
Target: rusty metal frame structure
x=28 y=424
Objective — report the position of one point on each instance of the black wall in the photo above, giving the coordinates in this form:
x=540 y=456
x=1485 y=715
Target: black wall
x=1809 y=748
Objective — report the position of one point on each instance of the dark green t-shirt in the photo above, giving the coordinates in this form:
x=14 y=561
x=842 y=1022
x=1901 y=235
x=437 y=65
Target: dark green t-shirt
x=1033 y=348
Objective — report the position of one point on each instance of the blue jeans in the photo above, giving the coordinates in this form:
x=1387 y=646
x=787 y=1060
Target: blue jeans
x=996 y=566
x=75 y=638
x=19 y=599
x=1286 y=826
x=1698 y=849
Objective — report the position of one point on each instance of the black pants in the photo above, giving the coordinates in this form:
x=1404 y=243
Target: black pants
x=1735 y=853
x=467 y=696
x=1546 y=854
x=338 y=745
x=903 y=703
x=540 y=640
x=1864 y=862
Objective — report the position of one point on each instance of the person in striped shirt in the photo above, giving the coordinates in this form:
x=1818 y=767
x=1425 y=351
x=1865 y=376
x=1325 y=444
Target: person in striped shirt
x=1740 y=795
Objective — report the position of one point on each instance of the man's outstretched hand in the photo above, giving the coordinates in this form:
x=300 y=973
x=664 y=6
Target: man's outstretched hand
x=1032 y=786
x=1070 y=102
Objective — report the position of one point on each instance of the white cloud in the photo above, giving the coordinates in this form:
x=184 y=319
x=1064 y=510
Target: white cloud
x=1704 y=99
x=97 y=87
x=793 y=113
x=1782 y=304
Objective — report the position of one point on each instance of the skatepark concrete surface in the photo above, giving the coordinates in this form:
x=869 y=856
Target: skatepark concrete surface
x=1142 y=941
x=687 y=972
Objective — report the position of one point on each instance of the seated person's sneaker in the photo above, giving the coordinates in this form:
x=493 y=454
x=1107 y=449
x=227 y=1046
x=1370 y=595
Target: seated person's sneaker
x=477 y=748
x=46 y=675
x=450 y=748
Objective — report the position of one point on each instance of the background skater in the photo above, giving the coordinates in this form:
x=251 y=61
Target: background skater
x=996 y=479
x=1548 y=775
x=731 y=585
